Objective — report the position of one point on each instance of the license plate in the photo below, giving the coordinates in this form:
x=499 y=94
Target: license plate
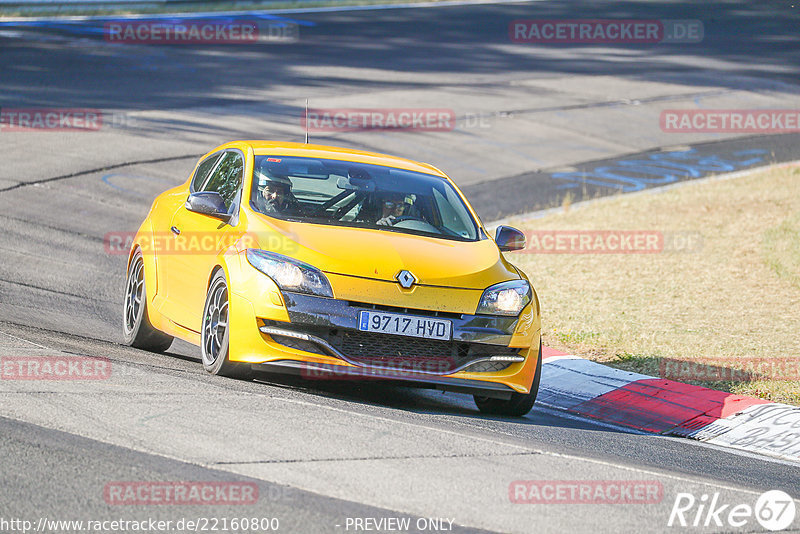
x=405 y=325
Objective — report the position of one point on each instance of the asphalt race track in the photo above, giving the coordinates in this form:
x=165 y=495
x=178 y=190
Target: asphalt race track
x=532 y=123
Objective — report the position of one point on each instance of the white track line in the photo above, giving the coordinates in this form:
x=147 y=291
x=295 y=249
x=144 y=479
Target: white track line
x=28 y=341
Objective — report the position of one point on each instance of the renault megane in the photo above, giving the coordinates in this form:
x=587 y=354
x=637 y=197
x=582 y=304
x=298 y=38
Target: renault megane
x=335 y=263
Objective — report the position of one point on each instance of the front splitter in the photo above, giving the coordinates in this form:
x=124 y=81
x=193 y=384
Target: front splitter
x=326 y=372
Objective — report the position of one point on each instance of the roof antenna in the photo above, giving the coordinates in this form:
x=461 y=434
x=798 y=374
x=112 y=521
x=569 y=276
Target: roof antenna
x=306 y=121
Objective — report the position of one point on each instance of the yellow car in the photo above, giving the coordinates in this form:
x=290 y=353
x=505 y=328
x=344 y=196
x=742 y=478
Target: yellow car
x=333 y=263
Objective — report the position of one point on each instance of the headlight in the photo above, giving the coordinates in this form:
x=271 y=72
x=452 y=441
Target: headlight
x=290 y=274
x=505 y=298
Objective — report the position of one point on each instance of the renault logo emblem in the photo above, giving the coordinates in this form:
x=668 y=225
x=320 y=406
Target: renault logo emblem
x=406 y=279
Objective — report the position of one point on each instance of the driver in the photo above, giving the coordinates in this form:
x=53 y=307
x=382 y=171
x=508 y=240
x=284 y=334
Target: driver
x=393 y=207
x=276 y=196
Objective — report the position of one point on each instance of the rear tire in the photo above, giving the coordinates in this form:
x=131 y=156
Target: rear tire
x=215 y=334
x=137 y=330
x=519 y=404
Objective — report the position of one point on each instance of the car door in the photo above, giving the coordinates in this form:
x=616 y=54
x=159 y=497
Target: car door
x=197 y=240
x=167 y=238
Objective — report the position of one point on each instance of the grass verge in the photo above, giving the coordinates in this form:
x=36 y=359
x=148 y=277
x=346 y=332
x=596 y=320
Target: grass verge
x=719 y=306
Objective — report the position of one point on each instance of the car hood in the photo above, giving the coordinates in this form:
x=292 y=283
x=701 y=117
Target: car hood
x=382 y=254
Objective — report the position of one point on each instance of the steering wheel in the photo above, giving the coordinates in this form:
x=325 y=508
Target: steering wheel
x=330 y=202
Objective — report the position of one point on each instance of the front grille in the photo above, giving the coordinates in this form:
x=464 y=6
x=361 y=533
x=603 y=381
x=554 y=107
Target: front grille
x=401 y=352
x=371 y=348
x=441 y=357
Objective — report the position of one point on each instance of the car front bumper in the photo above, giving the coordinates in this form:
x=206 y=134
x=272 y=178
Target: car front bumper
x=318 y=337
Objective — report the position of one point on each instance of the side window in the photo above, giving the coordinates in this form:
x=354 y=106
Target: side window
x=203 y=169
x=227 y=178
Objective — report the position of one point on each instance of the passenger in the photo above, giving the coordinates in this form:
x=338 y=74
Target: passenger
x=393 y=207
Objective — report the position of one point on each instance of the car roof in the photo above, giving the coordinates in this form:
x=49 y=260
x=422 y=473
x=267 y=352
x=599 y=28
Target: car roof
x=276 y=148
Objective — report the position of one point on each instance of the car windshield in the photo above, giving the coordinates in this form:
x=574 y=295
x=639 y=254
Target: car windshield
x=345 y=193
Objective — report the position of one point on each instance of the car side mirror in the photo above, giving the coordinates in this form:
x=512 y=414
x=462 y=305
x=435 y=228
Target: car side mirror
x=208 y=203
x=508 y=239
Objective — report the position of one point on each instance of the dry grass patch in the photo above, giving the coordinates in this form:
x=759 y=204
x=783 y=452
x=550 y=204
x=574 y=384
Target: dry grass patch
x=736 y=297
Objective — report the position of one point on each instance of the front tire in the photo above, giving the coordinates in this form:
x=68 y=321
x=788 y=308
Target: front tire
x=137 y=330
x=519 y=404
x=215 y=333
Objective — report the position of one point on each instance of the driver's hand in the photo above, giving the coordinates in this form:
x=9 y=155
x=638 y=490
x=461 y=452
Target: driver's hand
x=386 y=221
